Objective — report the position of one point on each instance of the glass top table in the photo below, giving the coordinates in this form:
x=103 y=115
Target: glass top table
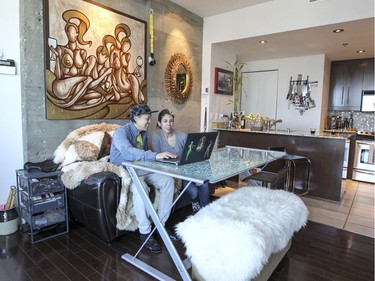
x=224 y=163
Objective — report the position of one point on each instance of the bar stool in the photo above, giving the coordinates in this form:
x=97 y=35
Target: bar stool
x=295 y=161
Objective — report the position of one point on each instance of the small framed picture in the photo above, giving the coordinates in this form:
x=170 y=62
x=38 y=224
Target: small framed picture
x=223 y=81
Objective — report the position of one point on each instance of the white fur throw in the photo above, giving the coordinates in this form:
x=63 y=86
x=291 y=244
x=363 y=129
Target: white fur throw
x=233 y=237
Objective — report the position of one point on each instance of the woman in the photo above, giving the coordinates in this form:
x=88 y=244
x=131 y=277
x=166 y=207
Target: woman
x=165 y=138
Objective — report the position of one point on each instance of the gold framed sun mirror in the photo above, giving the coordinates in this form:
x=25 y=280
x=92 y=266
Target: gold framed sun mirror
x=178 y=78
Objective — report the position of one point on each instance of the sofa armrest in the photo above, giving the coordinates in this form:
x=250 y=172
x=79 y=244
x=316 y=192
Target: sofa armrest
x=97 y=189
x=94 y=203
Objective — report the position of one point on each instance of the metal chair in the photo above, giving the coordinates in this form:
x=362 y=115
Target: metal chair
x=286 y=167
x=274 y=174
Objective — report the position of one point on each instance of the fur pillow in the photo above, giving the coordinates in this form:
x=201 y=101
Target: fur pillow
x=105 y=148
x=88 y=143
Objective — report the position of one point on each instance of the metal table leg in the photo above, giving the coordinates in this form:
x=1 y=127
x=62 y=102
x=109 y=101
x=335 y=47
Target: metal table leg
x=180 y=265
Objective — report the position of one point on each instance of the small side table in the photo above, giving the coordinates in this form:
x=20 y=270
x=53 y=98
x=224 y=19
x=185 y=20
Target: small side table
x=42 y=203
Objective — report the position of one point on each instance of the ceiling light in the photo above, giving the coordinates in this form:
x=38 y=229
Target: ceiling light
x=262 y=42
x=361 y=51
x=339 y=30
x=345 y=44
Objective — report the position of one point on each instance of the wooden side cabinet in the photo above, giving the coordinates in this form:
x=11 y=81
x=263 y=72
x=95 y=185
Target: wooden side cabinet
x=347 y=82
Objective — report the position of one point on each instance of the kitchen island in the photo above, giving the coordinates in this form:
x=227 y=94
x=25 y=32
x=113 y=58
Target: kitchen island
x=325 y=151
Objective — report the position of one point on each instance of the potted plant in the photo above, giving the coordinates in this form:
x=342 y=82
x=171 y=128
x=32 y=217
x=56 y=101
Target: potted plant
x=237 y=88
x=256 y=122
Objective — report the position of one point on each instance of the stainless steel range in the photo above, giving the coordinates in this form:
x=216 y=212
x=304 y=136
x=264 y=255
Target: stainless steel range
x=364 y=167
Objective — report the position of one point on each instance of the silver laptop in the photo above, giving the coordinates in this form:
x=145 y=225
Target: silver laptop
x=198 y=147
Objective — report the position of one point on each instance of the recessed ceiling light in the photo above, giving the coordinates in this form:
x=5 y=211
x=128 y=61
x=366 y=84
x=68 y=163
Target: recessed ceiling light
x=262 y=41
x=361 y=51
x=339 y=30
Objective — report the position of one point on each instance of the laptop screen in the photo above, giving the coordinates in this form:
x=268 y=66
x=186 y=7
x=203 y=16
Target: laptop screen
x=198 y=147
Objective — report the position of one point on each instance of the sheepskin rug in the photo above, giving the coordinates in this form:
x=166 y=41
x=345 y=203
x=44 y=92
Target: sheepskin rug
x=85 y=151
x=233 y=237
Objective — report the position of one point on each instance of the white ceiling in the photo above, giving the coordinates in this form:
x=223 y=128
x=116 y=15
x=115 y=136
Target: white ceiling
x=359 y=35
x=207 y=8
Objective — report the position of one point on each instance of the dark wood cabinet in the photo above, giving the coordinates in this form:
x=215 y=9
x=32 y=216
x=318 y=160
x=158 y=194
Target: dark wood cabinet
x=348 y=79
x=368 y=75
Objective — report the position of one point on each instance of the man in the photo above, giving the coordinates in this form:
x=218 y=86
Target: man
x=129 y=143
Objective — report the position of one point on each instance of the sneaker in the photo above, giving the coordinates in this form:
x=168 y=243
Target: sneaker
x=172 y=235
x=152 y=244
x=195 y=206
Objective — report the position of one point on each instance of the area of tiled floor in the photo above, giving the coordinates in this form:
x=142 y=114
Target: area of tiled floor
x=355 y=212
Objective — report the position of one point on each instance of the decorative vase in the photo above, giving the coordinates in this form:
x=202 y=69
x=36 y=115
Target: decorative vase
x=256 y=125
x=8 y=221
x=256 y=128
x=236 y=120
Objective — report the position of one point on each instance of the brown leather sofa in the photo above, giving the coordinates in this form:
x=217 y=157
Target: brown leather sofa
x=94 y=204
x=94 y=188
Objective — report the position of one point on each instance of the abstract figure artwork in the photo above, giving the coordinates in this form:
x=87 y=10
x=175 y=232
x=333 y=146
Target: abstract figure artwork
x=95 y=60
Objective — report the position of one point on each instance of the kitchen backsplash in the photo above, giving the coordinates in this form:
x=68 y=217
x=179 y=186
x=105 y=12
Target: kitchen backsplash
x=362 y=121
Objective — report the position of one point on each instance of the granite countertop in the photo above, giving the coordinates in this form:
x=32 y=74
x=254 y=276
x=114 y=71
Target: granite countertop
x=321 y=134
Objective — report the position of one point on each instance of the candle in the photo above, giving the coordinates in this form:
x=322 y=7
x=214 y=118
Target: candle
x=151 y=59
x=151 y=31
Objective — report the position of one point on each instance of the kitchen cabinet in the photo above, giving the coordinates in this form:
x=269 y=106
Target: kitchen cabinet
x=346 y=84
x=368 y=75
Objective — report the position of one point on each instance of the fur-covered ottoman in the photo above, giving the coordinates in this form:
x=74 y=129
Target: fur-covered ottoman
x=235 y=237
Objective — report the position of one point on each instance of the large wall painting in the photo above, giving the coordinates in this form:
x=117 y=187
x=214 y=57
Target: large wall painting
x=95 y=61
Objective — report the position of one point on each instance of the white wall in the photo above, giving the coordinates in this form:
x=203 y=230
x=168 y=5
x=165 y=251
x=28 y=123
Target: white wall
x=259 y=92
x=291 y=67
x=219 y=103
x=11 y=148
x=274 y=17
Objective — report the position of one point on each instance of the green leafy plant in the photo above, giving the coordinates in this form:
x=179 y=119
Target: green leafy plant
x=257 y=119
x=237 y=84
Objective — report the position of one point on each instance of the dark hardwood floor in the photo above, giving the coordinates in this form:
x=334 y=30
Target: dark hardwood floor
x=318 y=252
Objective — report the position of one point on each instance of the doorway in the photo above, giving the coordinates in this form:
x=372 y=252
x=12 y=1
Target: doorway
x=259 y=93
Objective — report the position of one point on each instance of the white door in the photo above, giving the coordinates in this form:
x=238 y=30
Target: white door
x=259 y=93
